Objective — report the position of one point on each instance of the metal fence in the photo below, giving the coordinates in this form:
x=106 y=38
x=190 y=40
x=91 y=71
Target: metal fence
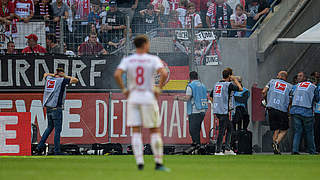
x=167 y=36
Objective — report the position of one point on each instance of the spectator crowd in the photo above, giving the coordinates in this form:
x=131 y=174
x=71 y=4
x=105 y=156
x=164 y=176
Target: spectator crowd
x=107 y=19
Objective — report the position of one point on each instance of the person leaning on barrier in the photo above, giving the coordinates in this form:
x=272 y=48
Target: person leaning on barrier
x=277 y=92
x=53 y=99
x=114 y=25
x=220 y=98
x=91 y=47
x=240 y=118
x=33 y=46
x=197 y=104
x=304 y=95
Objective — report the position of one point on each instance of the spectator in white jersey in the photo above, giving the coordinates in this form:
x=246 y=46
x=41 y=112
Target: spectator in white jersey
x=143 y=110
x=191 y=14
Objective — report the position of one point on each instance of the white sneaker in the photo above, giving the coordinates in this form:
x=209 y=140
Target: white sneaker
x=229 y=152
x=219 y=154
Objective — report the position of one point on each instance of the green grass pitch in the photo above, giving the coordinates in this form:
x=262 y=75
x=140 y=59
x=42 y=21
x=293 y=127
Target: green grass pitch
x=257 y=167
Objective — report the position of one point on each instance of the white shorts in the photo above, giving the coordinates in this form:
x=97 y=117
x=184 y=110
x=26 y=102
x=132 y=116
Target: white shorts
x=144 y=115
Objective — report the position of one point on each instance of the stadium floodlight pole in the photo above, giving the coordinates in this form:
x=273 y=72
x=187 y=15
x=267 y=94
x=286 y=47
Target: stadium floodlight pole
x=127 y=34
x=61 y=35
x=191 y=58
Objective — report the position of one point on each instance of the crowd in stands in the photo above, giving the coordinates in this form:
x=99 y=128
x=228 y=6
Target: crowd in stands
x=107 y=19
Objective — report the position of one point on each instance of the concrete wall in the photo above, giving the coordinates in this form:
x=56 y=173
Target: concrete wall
x=242 y=56
x=239 y=54
x=283 y=56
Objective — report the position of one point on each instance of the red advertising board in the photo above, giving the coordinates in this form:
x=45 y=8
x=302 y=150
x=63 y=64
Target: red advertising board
x=87 y=115
x=173 y=114
x=258 y=111
x=15 y=134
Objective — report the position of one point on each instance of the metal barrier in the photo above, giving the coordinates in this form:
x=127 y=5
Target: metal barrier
x=166 y=31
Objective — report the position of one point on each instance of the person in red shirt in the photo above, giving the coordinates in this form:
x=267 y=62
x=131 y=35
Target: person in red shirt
x=24 y=10
x=33 y=46
x=7 y=11
x=92 y=46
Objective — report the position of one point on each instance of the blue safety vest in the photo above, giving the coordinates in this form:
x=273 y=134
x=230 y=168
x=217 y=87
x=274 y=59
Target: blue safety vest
x=199 y=95
x=303 y=95
x=241 y=94
x=278 y=96
x=55 y=92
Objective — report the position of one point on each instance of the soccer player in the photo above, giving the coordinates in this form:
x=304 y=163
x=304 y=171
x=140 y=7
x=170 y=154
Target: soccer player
x=143 y=110
x=277 y=92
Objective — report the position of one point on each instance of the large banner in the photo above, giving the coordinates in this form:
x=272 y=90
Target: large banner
x=206 y=50
x=94 y=73
x=101 y=117
x=15 y=134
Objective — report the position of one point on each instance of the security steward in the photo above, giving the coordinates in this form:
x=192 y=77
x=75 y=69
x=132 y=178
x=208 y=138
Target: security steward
x=197 y=105
x=304 y=95
x=53 y=99
x=277 y=92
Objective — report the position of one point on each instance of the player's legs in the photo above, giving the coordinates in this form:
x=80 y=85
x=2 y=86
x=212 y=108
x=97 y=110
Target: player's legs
x=157 y=146
x=135 y=122
x=151 y=120
x=137 y=146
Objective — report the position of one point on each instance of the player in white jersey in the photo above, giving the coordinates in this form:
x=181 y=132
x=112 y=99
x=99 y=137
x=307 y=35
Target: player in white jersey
x=143 y=110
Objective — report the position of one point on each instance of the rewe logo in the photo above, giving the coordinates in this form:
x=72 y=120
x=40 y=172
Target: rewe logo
x=15 y=134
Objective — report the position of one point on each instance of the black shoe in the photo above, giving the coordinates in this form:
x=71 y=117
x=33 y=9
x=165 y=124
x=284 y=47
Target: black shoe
x=276 y=148
x=295 y=153
x=140 y=167
x=39 y=151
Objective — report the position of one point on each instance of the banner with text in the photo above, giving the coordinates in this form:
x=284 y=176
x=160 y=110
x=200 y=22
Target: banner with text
x=99 y=117
x=26 y=71
x=206 y=50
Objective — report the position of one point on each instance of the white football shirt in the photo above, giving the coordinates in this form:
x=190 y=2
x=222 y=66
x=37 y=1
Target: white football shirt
x=140 y=69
